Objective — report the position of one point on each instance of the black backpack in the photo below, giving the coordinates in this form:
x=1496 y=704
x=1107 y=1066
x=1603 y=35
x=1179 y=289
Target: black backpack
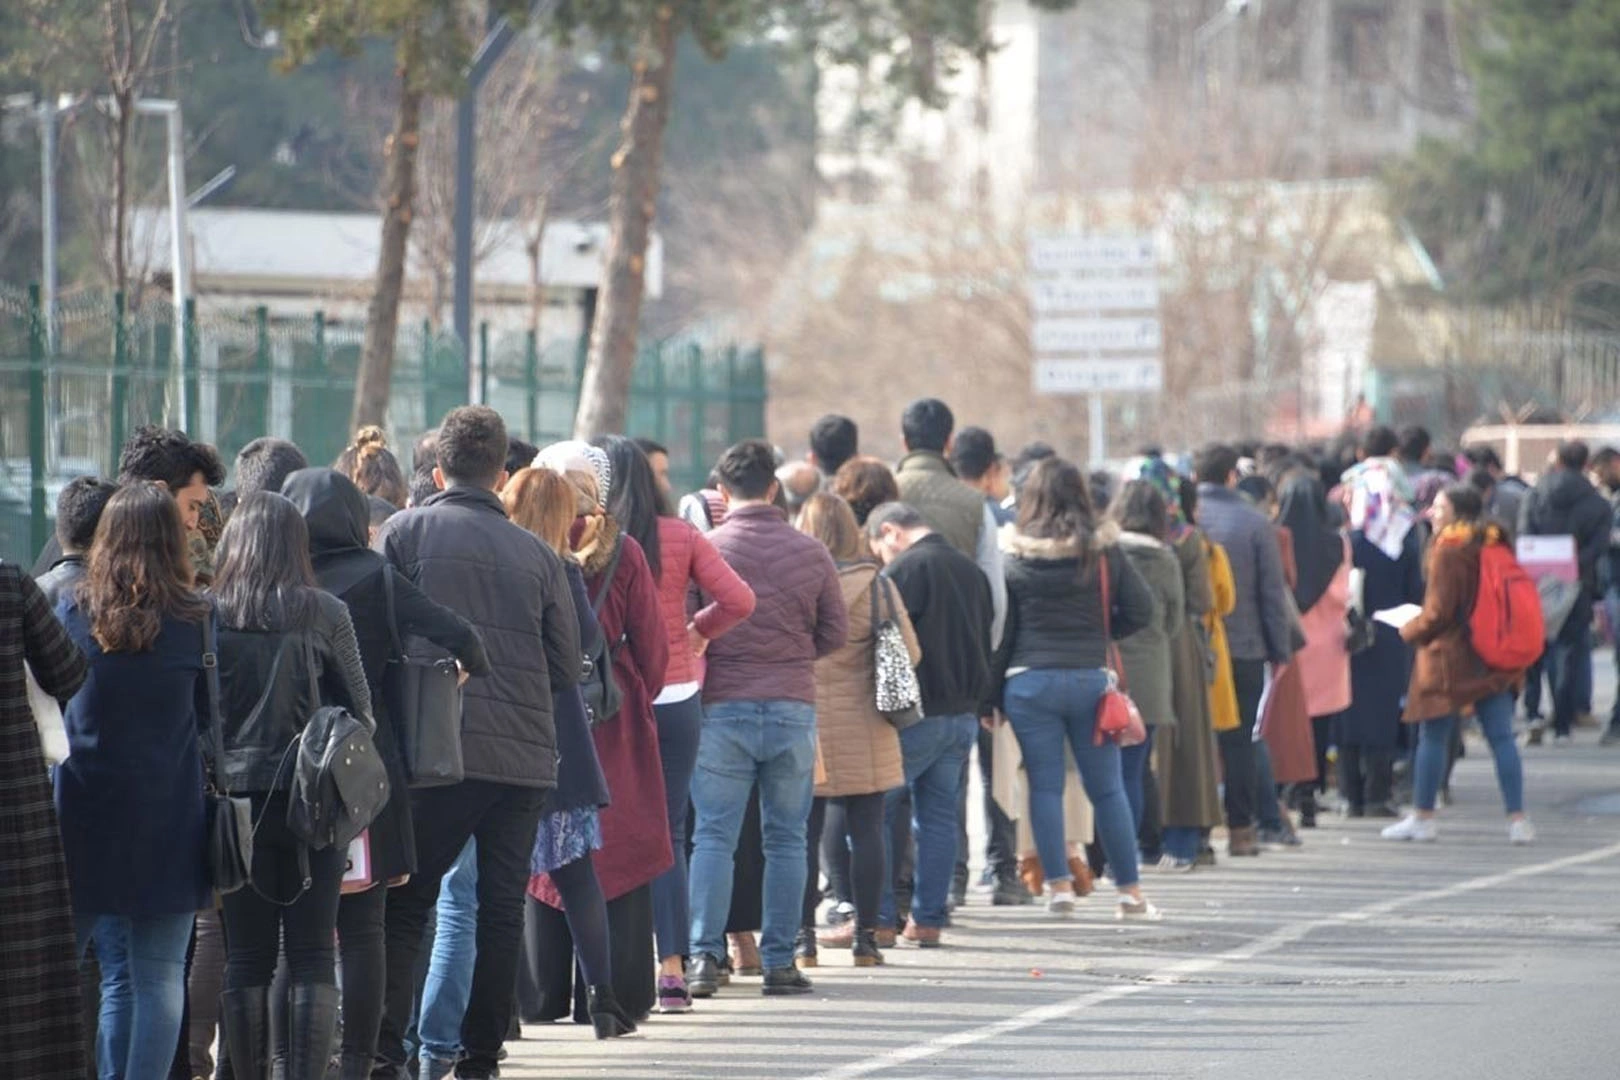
x=603 y=698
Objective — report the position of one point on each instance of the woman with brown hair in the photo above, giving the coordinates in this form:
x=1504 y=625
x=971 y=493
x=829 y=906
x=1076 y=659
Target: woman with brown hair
x=859 y=746
x=130 y=794
x=373 y=467
x=865 y=483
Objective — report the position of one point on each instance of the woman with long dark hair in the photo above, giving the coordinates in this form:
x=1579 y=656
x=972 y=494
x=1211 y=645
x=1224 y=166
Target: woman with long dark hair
x=286 y=649
x=681 y=559
x=338 y=518
x=1052 y=669
x=1449 y=679
x=130 y=794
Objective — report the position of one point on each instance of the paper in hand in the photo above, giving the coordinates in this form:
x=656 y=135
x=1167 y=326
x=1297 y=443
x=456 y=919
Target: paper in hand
x=1398 y=616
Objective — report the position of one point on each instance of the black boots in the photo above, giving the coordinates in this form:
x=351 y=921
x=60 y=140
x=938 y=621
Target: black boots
x=865 y=948
x=312 y=1012
x=244 y=1018
x=804 y=948
x=609 y=1020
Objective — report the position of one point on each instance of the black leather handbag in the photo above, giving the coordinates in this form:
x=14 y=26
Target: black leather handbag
x=339 y=783
x=423 y=697
x=229 y=817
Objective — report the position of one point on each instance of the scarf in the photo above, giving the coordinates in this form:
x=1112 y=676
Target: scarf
x=576 y=456
x=1380 y=503
x=1156 y=471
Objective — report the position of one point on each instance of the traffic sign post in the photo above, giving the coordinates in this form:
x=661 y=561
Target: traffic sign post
x=1096 y=330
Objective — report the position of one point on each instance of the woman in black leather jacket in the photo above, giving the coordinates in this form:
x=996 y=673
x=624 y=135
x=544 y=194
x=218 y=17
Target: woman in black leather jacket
x=338 y=517
x=285 y=650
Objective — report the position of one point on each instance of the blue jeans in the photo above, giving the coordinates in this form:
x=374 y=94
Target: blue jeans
x=143 y=990
x=680 y=727
x=1434 y=749
x=1133 y=762
x=1048 y=707
x=934 y=752
x=773 y=743
x=1182 y=842
x=455 y=954
x=1267 y=810
x=1569 y=670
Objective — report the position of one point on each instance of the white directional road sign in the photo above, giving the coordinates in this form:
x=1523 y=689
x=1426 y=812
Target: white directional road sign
x=1071 y=335
x=1062 y=295
x=1098 y=376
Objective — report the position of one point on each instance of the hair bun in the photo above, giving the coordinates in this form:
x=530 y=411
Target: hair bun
x=369 y=440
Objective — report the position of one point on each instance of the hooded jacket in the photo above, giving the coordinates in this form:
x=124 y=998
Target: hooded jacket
x=1258 y=628
x=462 y=551
x=1564 y=503
x=339 y=518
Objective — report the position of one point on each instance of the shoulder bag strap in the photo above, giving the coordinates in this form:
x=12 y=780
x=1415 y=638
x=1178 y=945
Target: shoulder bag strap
x=1111 y=658
x=877 y=585
x=210 y=663
x=607 y=578
x=393 y=620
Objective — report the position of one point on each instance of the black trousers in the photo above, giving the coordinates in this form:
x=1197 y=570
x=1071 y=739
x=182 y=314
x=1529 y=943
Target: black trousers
x=630 y=939
x=861 y=820
x=1366 y=775
x=503 y=818
x=363 y=946
x=1238 y=765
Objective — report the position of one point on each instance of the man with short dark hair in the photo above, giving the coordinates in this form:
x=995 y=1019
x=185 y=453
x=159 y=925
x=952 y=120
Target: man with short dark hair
x=1414 y=447
x=658 y=457
x=1257 y=630
x=1507 y=491
x=834 y=440
x=1379 y=442
x=980 y=465
x=949 y=604
x=78 y=511
x=1606 y=470
x=265 y=463
x=1564 y=503
x=460 y=549
x=759 y=723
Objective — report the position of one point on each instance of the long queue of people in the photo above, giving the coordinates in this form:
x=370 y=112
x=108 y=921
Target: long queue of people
x=675 y=719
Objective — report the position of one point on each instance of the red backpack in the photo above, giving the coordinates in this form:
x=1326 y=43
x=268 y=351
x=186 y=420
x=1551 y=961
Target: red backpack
x=1506 y=625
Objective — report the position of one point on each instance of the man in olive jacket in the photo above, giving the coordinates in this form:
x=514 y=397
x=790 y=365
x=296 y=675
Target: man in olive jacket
x=460 y=549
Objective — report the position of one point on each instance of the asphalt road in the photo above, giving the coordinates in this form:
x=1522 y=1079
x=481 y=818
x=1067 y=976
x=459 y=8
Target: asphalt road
x=1351 y=958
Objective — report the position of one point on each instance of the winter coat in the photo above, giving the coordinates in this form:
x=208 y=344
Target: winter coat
x=130 y=795
x=580 y=780
x=461 y=550
x=257 y=740
x=39 y=980
x=1257 y=627
x=1054 y=613
x=1223 y=704
x=949 y=602
x=1564 y=503
x=1186 y=762
x=686 y=558
x=635 y=824
x=1286 y=720
x=339 y=519
x=63 y=578
x=859 y=747
x=1146 y=653
x=930 y=486
x=1448 y=677
x=1324 y=662
x=798 y=614
x=1379 y=675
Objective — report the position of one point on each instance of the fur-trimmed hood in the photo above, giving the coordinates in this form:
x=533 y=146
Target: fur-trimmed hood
x=1141 y=540
x=1020 y=546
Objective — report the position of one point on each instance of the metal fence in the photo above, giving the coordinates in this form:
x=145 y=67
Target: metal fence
x=72 y=389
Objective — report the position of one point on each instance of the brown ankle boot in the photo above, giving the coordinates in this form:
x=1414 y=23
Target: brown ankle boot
x=1243 y=841
x=1031 y=874
x=1084 y=882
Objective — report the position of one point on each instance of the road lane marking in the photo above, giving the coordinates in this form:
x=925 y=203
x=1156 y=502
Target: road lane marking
x=1170 y=974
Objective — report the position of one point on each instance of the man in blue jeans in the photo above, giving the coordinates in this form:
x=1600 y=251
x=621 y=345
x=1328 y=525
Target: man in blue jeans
x=948 y=599
x=759 y=721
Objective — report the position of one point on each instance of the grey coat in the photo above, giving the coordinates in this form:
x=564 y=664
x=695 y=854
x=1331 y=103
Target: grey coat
x=1146 y=653
x=1258 y=628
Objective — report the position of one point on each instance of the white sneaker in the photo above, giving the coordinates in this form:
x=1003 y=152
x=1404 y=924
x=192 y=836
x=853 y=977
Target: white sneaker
x=1060 y=904
x=1169 y=864
x=1521 y=831
x=1136 y=910
x=1412 y=827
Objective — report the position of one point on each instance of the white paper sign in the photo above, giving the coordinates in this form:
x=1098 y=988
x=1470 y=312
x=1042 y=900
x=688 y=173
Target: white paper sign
x=1398 y=616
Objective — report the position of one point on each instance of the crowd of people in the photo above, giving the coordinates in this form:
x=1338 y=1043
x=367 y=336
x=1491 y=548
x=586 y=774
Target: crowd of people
x=679 y=718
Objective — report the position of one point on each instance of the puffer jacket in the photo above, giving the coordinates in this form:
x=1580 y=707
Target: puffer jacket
x=1146 y=653
x=257 y=740
x=686 y=558
x=460 y=549
x=798 y=617
x=860 y=748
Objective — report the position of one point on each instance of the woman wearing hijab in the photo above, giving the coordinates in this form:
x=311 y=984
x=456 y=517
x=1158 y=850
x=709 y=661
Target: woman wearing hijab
x=635 y=827
x=339 y=517
x=1322 y=594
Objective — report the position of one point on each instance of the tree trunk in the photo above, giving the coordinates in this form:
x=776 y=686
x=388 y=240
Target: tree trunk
x=376 y=374
x=604 y=399
x=120 y=207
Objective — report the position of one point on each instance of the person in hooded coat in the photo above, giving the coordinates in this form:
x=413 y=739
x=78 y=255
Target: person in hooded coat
x=339 y=517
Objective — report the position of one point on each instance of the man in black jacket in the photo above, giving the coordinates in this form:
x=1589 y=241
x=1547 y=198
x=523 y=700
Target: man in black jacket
x=948 y=599
x=1564 y=503
x=461 y=550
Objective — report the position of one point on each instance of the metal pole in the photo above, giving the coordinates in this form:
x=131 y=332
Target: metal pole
x=178 y=267
x=47 y=210
x=1098 y=431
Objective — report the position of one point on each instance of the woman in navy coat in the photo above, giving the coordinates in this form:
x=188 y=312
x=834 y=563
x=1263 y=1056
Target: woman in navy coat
x=130 y=795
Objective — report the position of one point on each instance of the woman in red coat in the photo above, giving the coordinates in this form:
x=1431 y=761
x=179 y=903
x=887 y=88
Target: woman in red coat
x=635 y=825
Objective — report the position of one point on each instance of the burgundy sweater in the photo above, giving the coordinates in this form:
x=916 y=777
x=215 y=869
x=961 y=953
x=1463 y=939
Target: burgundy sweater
x=798 y=614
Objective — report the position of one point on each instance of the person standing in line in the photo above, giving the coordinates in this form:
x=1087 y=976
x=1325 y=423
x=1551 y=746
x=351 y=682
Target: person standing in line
x=681 y=559
x=1564 y=503
x=949 y=603
x=658 y=459
x=859 y=745
x=337 y=516
x=373 y=467
x=1051 y=671
x=1606 y=470
x=1449 y=679
x=635 y=834
x=759 y=719
x=834 y=440
x=461 y=550
x=39 y=986
x=1143 y=519
x=866 y=484
x=78 y=511
x=286 y=649
x=1257 y=630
